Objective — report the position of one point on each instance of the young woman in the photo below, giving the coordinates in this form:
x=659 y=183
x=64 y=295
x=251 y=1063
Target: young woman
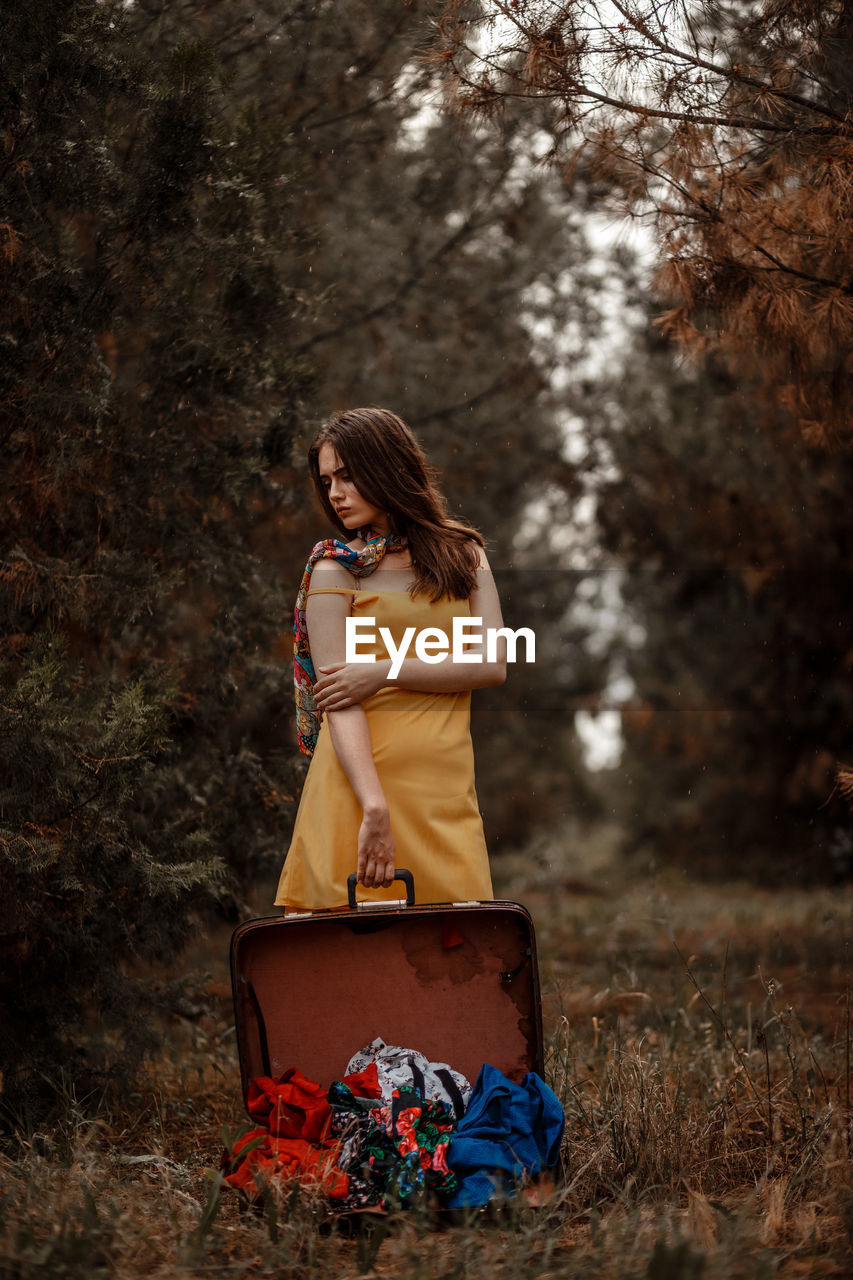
x=391 y=781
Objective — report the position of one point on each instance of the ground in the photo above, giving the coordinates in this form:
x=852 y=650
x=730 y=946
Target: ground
x=697 y=1034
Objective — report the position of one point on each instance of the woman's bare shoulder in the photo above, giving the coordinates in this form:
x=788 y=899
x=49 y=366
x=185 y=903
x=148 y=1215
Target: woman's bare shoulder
x=330 y=573
x=482 y=558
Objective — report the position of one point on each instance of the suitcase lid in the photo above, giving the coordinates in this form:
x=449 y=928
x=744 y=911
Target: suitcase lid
x=457 y=981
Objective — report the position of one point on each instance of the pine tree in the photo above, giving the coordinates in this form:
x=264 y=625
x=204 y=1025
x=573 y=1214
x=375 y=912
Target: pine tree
x=733 y=548
x=144 y=292
x=726 y=125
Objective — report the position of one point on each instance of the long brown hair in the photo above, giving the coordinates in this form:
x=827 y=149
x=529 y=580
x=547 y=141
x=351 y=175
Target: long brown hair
x=390 y=470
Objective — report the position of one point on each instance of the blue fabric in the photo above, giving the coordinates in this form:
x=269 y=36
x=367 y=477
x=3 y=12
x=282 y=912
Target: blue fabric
x=509 y=1131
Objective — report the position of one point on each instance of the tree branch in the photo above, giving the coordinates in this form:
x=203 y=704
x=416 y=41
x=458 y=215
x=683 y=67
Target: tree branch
x=575 y=88
x=466 y=228
x=728 y=73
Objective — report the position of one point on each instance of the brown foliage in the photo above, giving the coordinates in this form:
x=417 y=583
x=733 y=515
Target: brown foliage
x=844 y=778
x=731 y=130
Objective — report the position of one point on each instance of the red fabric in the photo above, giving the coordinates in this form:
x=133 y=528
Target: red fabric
x=282 y=1160
x=451 y=935
x=365 y=1084
x=407 y=1138
x=293 y=1142
x=290 y=1107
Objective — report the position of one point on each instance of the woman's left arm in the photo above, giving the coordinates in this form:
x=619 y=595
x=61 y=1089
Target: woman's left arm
x=340 y=684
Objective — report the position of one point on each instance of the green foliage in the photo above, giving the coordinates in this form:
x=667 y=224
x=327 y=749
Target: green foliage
x=137 y=619
x=198 y=1240
x=219 y=224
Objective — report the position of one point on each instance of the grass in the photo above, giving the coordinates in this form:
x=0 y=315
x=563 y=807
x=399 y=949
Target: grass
x=698 y=1037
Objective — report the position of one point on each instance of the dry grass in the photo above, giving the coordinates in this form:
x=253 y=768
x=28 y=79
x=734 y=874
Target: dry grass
x=698 y=1037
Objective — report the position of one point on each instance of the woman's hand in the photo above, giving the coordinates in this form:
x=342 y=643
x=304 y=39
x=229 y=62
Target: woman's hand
x=341 y=684
x=375 y=849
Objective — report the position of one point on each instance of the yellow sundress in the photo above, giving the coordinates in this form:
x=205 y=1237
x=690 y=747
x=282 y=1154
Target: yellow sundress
x=425 y=760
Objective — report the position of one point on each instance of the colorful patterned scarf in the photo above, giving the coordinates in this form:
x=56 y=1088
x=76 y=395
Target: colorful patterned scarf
x=361 y=563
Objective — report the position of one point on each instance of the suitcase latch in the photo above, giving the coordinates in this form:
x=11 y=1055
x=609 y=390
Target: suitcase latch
x=508 y=974
x=389 y=905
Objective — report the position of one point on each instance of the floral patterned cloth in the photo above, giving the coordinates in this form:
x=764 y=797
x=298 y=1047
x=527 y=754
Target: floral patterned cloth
x=361 y=563
x=394 y=1154
x=400 y=1068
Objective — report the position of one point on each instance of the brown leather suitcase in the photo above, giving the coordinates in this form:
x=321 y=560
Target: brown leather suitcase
x=457 y=981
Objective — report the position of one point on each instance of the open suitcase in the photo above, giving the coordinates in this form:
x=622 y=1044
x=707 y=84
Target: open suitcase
x=457 y=981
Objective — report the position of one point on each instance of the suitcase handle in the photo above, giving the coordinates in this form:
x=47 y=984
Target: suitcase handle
x=400 y=874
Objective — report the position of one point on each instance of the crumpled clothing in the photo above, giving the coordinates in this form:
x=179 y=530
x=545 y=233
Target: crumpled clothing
x=400 y=1068
x=361 y=1084
x=395 y=1153
x=278 y=1161
x=360 y=1148
x=510 y=1133
x=295 y=1140
x=353 y=1100
x=290 y=1107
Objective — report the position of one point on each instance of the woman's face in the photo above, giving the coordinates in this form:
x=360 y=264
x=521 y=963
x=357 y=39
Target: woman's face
x=351 y=508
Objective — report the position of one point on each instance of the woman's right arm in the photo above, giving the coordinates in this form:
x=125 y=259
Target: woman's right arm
x=325 y=617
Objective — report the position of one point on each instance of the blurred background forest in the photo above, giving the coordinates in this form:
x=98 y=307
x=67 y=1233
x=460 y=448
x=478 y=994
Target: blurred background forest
x=223 y=220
